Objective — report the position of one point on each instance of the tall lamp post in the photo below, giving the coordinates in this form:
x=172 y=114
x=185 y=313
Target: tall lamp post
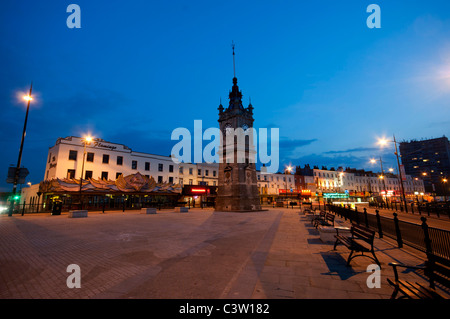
x=373 y=161
x=27 y=98
x=384 y=142
x=288 y=169
x=86 y=141
x=444 y=182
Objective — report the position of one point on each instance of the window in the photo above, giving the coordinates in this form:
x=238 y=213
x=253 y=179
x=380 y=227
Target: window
x=119 y=160
x=191 y=181
x=134 y=165
x=88 y=175
x=214 y=173
x=105 y=158
x=190 y=171
x=49 y=157
x=180 y=181
x=206 y=172
x=147 y=166
x=70 y=173
x=118 y=174
x=171 y=168
x=160 y=167
x=171 y=179
x=160 y=180
x=89 y=157
x=180 y=170
x=214 y=183
x=105 y=175
x=199 y=172
x=73 y=155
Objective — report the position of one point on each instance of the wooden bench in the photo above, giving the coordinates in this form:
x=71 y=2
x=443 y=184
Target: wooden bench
x=436 y=269
x=327 y=221
x=315 y=218
x=360 y=241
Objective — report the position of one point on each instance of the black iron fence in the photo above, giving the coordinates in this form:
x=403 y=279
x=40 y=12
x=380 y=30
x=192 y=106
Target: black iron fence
x=101 y=205
x=437 y=209
x=419 y=236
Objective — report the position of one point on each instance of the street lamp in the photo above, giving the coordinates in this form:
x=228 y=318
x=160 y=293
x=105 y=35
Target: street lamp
x=444 y=182
x=27 y=98
x=383 y=142
x=86 y=141
x=289 y=169
x=373 y=161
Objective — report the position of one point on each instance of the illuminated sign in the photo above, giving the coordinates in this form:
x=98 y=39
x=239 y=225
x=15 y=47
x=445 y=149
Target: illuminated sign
x=198 y=190
x=335 y=195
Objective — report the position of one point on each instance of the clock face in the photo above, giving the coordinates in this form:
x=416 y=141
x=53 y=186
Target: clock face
x=228 y=128
x=245 y=127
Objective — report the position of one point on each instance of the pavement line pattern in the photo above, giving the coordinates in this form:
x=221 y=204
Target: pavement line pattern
x=243 y=282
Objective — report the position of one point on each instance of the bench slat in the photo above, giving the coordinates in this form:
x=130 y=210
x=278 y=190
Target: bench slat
x=414 y=290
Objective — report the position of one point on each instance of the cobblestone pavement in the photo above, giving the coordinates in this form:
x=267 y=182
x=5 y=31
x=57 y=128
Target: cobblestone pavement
x=197 y=255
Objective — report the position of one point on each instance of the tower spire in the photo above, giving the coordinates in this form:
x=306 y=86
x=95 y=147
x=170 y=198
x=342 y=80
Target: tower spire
x=234 y=64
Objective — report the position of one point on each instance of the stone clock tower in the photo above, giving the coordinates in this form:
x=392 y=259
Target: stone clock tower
x=237 y=189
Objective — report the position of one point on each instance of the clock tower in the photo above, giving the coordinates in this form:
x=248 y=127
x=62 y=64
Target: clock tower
x=237 y=189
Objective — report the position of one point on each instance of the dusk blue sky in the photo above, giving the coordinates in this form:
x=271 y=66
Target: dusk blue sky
x=136 y=70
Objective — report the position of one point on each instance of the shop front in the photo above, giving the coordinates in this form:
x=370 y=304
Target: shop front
x=130 y=192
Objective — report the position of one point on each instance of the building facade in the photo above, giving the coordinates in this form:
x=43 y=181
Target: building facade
x=107 y=163
x=428 y=160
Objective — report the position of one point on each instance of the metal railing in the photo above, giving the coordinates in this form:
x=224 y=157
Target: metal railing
x=427 y=239
x=437 y=209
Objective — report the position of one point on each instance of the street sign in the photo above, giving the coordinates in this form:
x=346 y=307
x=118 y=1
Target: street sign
x=23 y=173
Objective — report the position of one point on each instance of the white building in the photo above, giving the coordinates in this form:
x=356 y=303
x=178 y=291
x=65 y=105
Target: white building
x=105 y=160
x=361 y=182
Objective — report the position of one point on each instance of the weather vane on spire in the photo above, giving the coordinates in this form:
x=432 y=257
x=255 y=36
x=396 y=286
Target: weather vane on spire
x=234 y=66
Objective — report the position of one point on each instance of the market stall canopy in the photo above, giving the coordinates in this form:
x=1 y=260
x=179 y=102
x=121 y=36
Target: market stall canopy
x=135 y=183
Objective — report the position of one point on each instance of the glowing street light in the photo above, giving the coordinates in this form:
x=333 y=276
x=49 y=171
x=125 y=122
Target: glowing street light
x=384 y=142
x=288 y=169
x=444 y=181
x=27 y=98
x=373 y=161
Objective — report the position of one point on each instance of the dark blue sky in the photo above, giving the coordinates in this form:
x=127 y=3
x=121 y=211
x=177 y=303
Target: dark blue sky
x=136 y=70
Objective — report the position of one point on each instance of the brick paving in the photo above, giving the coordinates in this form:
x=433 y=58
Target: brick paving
x=275 y=254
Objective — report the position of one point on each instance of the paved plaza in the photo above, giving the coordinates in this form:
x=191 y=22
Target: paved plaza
x=201 y=254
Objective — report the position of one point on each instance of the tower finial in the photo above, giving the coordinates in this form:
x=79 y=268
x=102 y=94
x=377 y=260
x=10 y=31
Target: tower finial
x=234 y=65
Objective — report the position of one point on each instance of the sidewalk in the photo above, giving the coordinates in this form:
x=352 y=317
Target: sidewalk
x=197 y=255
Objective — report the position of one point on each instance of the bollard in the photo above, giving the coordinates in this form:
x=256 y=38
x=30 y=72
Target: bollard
x=356 y=215
x=426 y=235
x=397 y=231
x=365 y=217
x=380 y=231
